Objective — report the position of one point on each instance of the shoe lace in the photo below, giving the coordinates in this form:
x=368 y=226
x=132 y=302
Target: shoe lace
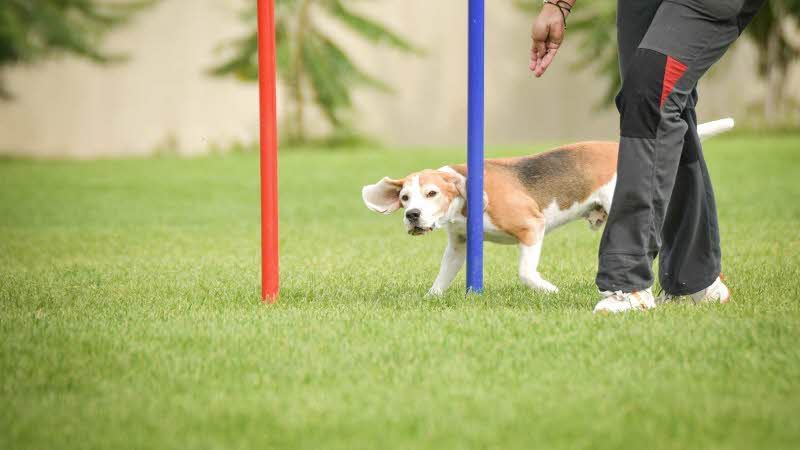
x=618 y=296
x=632 y=298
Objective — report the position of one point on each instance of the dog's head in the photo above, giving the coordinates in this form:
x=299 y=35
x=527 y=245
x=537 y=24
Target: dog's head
x=429 y=198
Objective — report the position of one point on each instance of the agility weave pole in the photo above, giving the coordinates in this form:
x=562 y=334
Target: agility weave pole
x=270 y=279
x=475 y=148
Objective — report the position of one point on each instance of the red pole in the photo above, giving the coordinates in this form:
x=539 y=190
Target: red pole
x=270 y=279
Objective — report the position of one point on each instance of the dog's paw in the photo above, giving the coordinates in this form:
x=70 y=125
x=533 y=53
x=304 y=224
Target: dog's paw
x=540 y=284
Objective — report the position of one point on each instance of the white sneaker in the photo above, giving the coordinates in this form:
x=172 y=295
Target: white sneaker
x=717 y=292
x=614 y=302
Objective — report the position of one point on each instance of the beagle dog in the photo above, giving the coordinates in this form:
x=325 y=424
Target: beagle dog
x=524 y=199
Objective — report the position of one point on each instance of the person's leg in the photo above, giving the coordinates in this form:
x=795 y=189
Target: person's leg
x=678 y=48
x=690 y=251
x=633 y=20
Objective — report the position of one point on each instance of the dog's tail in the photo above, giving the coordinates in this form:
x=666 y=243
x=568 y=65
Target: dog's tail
x=709 y=129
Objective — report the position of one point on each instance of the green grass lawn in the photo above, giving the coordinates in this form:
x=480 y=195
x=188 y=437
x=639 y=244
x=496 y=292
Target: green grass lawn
x=130 y=318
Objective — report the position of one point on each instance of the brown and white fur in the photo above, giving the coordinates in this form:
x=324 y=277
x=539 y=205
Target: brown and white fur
x=524 y=199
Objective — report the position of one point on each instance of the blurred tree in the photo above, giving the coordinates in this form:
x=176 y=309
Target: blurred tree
x=309 y=60
x=31 y=30
x=595 y=24
x=779 y=46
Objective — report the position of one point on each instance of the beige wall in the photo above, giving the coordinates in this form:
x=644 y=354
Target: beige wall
x=69 y=107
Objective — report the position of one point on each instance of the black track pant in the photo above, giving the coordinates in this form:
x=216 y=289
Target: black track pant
x=663 y=202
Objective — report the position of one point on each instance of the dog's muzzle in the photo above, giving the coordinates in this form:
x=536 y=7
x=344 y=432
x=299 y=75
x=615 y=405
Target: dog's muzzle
x=412 y=218
x=419 y=231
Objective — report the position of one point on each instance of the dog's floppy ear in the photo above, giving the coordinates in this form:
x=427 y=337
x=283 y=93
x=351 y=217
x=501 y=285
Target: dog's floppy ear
x=460 y=182
x=383 y=196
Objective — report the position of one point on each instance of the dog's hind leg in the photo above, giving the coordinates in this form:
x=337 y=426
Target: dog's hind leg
x=529 y=254
x=453 y=259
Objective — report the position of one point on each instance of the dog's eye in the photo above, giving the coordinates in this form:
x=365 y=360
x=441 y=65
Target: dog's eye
x=404 y=198
x=432 y=194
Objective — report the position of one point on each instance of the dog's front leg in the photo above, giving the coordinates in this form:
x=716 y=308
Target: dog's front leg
x=528 y=266
x=454 y=256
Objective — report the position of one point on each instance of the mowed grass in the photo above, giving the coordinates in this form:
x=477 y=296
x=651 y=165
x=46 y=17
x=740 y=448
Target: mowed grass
x=130 y=318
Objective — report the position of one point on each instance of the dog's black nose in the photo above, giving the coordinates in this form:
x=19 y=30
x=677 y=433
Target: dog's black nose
x=412 y=215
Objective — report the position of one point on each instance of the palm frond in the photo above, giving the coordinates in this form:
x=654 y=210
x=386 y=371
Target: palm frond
x=367 y=28
x=307 y=58
x=32 y=29
x=332 y=74
x=595 y=25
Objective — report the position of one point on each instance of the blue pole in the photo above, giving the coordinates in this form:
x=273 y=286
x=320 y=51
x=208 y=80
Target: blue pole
x=475 y=149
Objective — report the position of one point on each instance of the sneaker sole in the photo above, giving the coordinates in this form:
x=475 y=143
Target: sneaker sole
x=606 y=312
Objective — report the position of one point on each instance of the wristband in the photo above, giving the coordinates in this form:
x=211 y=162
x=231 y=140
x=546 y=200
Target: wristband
x=562 y=6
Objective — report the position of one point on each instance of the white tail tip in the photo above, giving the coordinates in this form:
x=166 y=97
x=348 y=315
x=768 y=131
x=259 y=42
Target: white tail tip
x=708 y=129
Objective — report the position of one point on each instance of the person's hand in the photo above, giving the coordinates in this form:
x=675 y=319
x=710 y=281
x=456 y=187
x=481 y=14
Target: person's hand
x=547 y=35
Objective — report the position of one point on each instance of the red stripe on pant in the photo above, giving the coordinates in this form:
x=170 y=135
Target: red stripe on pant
x=672 y=73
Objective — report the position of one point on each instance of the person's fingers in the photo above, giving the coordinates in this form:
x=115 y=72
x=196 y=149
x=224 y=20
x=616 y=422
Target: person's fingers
x=538 y=71
x=541 y=49
x=538 y=66
x=554 y=38
x=544 y=62
x=548 y=58
x=546 y=37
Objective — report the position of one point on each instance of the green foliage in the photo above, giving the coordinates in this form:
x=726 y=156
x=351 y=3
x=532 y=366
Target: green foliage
x=31 y=30
x=309 y=59
x=130 y=318
x=596 y=25
x=767 y=23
